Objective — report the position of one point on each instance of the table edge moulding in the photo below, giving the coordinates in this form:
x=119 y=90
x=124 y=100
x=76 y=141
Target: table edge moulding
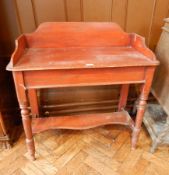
x=64 y=54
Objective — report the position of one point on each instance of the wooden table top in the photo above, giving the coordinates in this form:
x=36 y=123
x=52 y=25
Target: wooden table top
x=76 y=45
x=68 y=58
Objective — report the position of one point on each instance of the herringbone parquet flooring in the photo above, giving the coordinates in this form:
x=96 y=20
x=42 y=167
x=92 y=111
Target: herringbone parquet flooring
x=99 y=151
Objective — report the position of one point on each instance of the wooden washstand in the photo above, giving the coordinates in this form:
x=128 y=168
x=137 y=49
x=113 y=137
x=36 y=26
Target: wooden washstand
x=64 y=54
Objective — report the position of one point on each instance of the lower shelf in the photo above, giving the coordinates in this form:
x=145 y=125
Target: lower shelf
x=84 y=121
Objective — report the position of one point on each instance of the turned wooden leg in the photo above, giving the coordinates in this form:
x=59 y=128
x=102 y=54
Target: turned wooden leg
x=21 y=91
x=123 y=96
x=26 y=119
x=139 y=117
x=145 y=89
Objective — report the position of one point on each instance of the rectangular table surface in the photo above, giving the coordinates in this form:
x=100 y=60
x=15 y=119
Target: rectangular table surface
x=80 y=57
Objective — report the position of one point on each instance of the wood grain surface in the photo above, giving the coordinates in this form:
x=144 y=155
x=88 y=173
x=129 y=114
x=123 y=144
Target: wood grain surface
x=99 y=151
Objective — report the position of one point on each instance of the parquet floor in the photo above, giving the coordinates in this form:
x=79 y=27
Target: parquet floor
x=99 y=151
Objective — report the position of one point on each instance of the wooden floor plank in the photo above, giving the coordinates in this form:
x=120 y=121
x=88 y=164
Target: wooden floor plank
x=84 y=169
x=74 y=166
x=48 y=168
x=103 y=150
x=151 y=171
x=99 y=166
x=68 y=155
x=18 y=172
x=105 y=160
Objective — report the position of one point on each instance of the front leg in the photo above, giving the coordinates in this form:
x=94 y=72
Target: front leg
x=145 y=89
x=25 y=112
x=139 y=117
x=26 y=120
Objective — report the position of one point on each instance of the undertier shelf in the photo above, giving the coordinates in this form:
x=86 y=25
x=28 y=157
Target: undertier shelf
x=83 y=121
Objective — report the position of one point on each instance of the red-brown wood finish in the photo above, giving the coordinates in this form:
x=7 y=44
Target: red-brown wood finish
x=80 y=54
x=123 y=96
x=33 y=101
x=83 y=121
